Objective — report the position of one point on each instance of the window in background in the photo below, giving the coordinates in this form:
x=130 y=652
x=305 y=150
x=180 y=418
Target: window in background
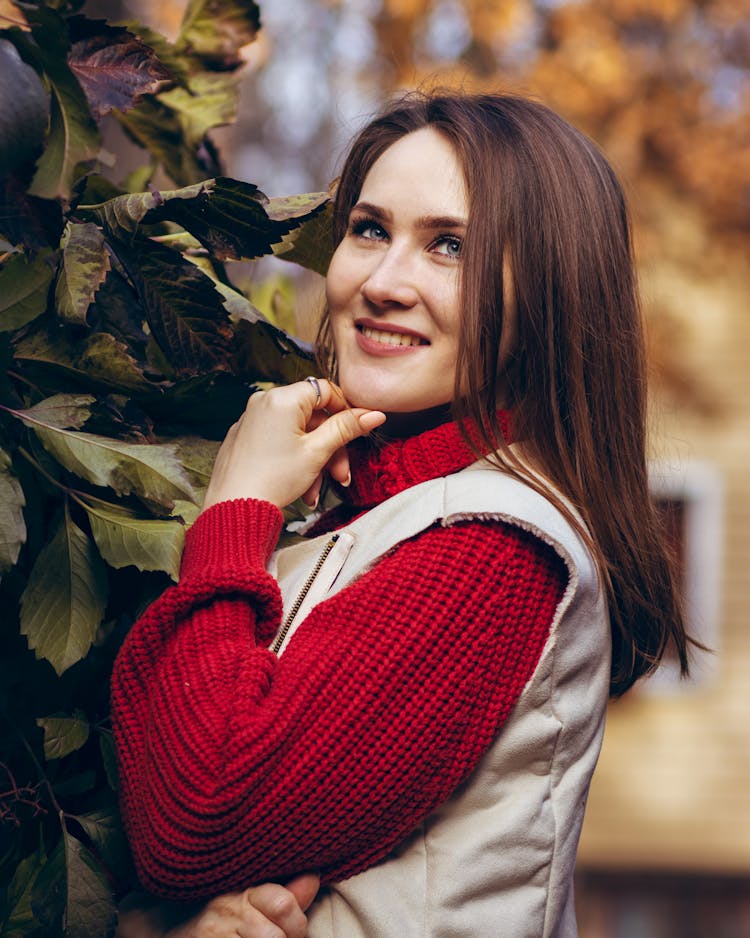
x=689 y=497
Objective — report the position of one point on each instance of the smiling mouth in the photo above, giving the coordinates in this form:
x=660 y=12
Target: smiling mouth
x=390 y=338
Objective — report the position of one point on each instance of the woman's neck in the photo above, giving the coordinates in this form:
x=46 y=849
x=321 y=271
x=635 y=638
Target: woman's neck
x=402 y=426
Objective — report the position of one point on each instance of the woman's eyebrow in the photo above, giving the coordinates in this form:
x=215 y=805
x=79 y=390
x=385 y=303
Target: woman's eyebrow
x=440 y=221
x=429 y=222
x=376 y=211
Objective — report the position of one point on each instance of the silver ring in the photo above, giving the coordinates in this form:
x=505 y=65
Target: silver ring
x=316 y=386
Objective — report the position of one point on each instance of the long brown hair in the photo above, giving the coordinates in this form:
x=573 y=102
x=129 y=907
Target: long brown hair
x=543 y=197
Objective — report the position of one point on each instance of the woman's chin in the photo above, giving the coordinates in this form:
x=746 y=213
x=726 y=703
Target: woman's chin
x=405 y=417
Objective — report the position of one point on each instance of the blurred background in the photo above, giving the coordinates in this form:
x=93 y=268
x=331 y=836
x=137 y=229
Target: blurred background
x=664 y=87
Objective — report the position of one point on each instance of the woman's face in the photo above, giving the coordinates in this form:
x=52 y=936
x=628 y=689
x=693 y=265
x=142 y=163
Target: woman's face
x=393 y=282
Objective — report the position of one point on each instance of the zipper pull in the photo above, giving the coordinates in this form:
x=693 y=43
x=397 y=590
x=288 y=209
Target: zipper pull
x=283 y=631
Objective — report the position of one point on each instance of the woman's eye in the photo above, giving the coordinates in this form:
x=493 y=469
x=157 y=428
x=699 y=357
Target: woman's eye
x=448 y=245
x=365 y=228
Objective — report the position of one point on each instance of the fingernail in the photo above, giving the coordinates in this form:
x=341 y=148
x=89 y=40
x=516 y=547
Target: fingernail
x=371 y=419
x=348 y=480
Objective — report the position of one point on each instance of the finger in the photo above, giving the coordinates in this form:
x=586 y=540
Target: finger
x=256 y=925
x=312 y=495
x=338 y=467
x=280 y=907
x=304 y=888
x=342 y=428
x=315 y=385
x=317 y=397
x=220 y=918
x=318 y=417
x=332 y=397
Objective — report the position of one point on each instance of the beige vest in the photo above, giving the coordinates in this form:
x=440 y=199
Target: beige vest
x=496 y=860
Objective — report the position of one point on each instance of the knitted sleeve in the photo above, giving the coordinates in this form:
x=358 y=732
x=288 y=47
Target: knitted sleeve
x=238 y=766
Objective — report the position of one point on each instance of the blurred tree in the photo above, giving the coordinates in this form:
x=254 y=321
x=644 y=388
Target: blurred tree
x=662 y=85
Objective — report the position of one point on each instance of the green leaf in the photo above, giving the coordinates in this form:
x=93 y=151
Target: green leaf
x=151 y=471
x=90 y=908
x=295 y=207
x=72 y=889
x=140 y=178
x=187 y=511
x=104 y=827
x=114 y=68
x=235 y=220
x=85 y=263
x=208 y=404
x=210 y=102
x=109 y=362
x=124 y=214
x=99 y=360
x=275 y=297
x=216 y=32
x=27 y=222
x=183 y=308
x=161 y=131
x=176 y=62
x=48 y=893
x=24 y=286
x=125 y=539
x=232 y=219
x=64 y=600
x=73 y=139
x=62 y=411
x=12 y=524
x=18 y=918
x=73 y=785
x=235 y=303
x=24 y=110
x=197 y=455
x=311 y=245
x=118 y=312
x=265 y=353
x=97 y=188
x=109 y=757
x=63 y=734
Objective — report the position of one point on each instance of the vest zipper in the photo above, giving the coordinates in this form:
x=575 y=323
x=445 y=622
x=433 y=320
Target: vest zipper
x=279 y=640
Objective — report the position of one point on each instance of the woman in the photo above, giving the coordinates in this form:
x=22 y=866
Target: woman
x=410 y=701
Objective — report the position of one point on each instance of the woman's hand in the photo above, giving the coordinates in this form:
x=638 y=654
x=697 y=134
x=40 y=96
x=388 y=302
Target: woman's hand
x=277 y=451
x=267 y=911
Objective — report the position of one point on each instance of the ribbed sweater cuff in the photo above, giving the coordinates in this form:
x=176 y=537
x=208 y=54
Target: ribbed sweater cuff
x=234 y=535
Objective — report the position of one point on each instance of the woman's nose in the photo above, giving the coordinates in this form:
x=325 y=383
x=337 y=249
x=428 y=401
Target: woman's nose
x=392 y=281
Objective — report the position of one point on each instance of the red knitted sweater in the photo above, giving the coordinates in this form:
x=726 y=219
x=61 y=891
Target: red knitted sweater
x=237 y=765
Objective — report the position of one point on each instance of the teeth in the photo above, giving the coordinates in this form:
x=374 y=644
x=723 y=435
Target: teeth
x=389 y=338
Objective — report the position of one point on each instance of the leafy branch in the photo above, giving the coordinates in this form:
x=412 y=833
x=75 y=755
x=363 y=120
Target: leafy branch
x=126 y=352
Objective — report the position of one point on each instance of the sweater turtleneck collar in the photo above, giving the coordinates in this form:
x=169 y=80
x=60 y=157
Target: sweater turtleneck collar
x=382 y=470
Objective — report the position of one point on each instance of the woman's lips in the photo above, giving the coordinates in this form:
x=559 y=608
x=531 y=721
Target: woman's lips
x=376 y=340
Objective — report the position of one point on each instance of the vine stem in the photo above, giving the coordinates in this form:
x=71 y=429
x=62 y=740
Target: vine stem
x=25 y=794
x=24 y=380
x=40 y=771
x=71 y=493
x=9 y=19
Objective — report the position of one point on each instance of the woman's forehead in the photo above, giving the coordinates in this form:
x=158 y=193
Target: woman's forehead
x=421 y=172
